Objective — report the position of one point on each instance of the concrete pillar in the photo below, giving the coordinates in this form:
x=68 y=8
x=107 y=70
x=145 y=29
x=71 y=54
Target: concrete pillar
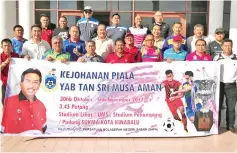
x=26 y=16
x=215 y=16
x=233 y=25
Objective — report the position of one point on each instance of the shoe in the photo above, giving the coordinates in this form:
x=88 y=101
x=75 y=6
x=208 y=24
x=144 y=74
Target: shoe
x=233 y=130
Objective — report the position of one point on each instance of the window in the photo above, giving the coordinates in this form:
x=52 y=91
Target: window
x=71 y=5
x=121 y=5
x=170 y=6
x=51 y=14
x=49 y=4
x=125 y=19
x=226 y=17
x=197 y=6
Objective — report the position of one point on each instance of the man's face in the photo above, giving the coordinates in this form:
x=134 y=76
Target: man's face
x=115 y=20
x=88 y=13
x=44 y=21
x=177 y=44
x=158 y=17
x=30 y=84
x=74 y=32
x=170 y=77
x=227 y=48
x=156 y=31
x=7 y=48
x=219 y=36
x=19 y=32
x=149 y=41
x=129 y=40
x=119 y=47
x=187 y=77
x=90 y=48
x=138 y=20
x=177 y=29
x=62 y=23
x=200 y=46
x=36 y=32
x=57 y=45
x=198 y=32
x=101 y=31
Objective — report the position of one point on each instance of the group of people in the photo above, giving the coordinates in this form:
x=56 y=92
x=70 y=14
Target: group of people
x=91 y=41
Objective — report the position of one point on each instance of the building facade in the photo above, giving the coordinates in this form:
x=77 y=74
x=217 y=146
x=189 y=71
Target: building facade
x=211 y=14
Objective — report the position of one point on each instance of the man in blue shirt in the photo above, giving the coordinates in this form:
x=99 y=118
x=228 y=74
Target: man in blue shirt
x=74 y=45
x=87 y=25
x=18 y=40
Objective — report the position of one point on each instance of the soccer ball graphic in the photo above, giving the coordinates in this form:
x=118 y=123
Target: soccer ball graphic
x=168 y=126
x=50 y=84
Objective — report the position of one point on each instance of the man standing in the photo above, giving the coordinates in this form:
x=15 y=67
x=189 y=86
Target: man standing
x=63 y=29
x=47 y=29
x=175 y=53
x=74 y=45
x=104 y=45
x=115 y=31
x=198 y=34
x=6 y=56
x=214 y=47
x=24 y=112
x=35 y=48
x=158 y=40
x=177 y=27
x=87 y=25
x=174 y=101
x=18 y=40
x=164 y=27
x=228 y=83
x=90 y=55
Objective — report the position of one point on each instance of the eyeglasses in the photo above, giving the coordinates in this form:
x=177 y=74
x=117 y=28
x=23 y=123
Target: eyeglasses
x=88 y=11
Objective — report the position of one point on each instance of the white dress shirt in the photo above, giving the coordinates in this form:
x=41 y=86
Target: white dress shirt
x=104 y=47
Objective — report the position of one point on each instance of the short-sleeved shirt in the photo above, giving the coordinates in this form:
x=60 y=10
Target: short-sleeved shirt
x=134 y=52
x=115 y=33
x=87 y=28
x=194 y=57
x=68 y=46
x=214 y=48
x=58 y=56
x=104 y=47
x=35 y=51
x=139 y=35
x=4 y=72
x=17 y=45
x=175 y=56
x=95 y=58
x=113 y=58
x=21 y=115
x=47 y=35
x=151 y=55
x=61 y=32
x=171 y=86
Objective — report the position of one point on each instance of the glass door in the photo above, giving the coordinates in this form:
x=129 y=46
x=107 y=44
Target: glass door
x=72 y=17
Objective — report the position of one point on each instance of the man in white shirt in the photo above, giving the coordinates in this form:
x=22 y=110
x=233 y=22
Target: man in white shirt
x=35 y=48
x=228 y=82
x=198 y=34
x=104 y=45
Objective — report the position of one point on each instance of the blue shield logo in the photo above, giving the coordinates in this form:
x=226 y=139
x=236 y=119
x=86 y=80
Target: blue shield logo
x=50 y=81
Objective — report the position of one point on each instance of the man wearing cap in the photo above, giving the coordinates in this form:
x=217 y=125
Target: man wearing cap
x=87 y=25
x=214 y=47
x=129 y=48
x=24 y=112
x=175 y=53
x=116 y=31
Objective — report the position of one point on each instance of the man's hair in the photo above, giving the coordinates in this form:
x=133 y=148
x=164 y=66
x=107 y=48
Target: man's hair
x=6 y=40
x=63 y=17
x=227 y=40
x=121 y=40
x=155 y=26
x=168 y=72
x=149 y=34
x=101 y=24
x=177 y=23
x=17 y=26
x=44 y=15
x=198 y=26
x=90 y=41
x=115 y=14
x=36 y=26
x=189 y=73
x=200 y=40
x=57 y=37
x=31 y=70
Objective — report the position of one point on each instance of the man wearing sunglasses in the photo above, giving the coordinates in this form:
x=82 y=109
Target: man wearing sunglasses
x=87 y=25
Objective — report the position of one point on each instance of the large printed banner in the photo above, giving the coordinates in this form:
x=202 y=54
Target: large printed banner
x=178 y=99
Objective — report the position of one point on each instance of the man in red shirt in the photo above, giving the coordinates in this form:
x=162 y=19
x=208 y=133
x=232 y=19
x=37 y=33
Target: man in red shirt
x=24 y=112
x=47 y=30
x=131 y=49
x=174 y=101
x=6 y=56
x=119 y=56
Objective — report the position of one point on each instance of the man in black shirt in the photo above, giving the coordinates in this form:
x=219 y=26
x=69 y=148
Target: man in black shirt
x=62 y=30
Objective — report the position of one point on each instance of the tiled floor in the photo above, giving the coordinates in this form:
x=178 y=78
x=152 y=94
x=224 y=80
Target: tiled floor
x=225 y=142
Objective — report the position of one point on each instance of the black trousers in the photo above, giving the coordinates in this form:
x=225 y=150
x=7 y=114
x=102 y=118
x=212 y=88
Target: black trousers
x=230 y=92
x=3 y=93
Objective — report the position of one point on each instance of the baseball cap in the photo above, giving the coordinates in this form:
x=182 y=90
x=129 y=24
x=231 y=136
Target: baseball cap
x=88 y=8
x=220 y=30
x=177 y=38
x=129 y=34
